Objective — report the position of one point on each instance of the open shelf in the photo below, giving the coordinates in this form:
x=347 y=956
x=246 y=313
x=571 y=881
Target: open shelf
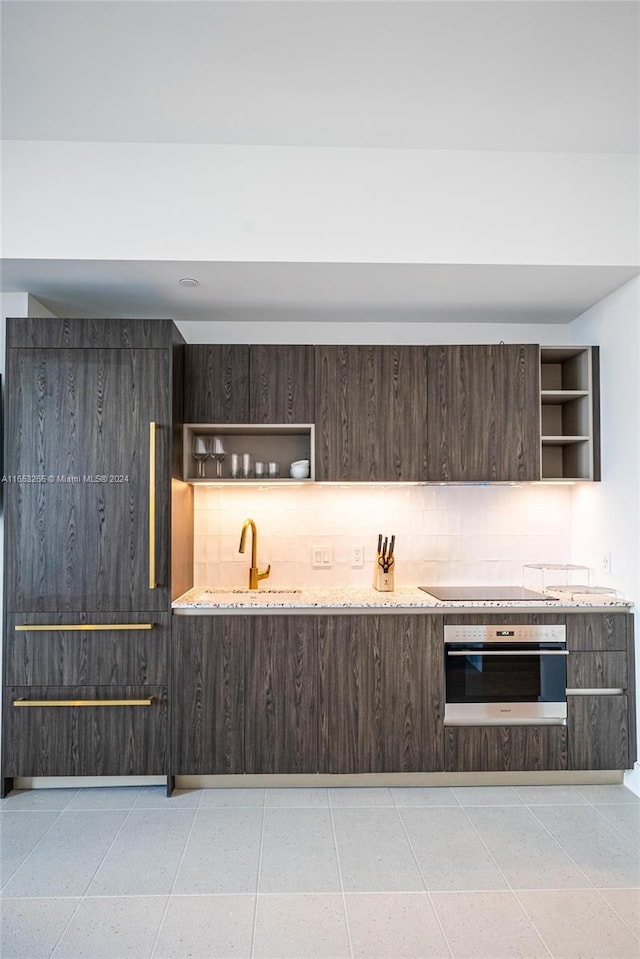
x=273 y=443
x=569 y=413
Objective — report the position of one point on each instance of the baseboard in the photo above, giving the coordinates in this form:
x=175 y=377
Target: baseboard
x=301 y=780
x=81 y=782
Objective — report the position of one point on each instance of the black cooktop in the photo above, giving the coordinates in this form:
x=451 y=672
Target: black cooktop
x=480 y=594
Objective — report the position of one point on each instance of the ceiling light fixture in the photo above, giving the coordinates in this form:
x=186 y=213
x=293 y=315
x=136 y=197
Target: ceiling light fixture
x=188 y=281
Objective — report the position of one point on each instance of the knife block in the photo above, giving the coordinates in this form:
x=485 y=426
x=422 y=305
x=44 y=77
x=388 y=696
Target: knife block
x=382 y=581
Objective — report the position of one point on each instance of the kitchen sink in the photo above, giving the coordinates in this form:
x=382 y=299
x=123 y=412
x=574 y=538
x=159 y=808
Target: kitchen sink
x=217 y=590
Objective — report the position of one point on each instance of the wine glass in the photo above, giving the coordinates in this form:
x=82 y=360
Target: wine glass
x=201 y=451
x=219 y=454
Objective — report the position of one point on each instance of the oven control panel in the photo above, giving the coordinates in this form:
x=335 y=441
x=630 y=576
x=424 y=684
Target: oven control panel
x=505 y=634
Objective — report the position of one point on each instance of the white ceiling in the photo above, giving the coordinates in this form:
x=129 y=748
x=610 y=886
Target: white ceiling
x=532 y=76
x=314 y=291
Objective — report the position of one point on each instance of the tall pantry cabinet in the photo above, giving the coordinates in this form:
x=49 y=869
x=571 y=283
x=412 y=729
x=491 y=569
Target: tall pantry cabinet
x=87 y=499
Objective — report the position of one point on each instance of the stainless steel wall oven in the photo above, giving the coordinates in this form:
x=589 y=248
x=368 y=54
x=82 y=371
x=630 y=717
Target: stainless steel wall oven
x=505 y=675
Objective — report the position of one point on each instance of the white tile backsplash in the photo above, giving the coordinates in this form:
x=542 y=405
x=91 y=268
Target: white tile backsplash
x=444 y=534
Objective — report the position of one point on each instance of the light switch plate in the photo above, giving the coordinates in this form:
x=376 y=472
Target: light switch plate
x=321 y=557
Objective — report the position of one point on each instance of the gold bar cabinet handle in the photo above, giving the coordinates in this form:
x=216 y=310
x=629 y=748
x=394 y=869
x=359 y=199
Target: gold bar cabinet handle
x=152 y=505
x=83 y=702
x=48 y=628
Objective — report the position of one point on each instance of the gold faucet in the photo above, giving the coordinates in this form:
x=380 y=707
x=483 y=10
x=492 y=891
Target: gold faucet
x=254 y=575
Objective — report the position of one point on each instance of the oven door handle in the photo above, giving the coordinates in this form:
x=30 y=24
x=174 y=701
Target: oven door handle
x=514 y=652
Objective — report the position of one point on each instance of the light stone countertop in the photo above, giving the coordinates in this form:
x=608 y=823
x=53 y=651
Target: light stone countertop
x=210 y=600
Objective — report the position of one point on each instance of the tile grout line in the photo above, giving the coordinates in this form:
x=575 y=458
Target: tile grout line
x=258 y=875
x=97 y=870
x=595 y=888
x=33 y=849
x=559 y=844
x=509 y=886
x=608 y=821
x=175 y=878
x=424 y=881
x=344 y=898
x=591 y=883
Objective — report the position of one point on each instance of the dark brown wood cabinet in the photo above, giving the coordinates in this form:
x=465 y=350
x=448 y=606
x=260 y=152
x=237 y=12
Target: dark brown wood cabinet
x=484 y=413
x=216 y=379
x=364 y=693
x=244 y=694
x=78 y=450
x=371 y=413
x=601 y=691
x=71 y=649
x=265 y=383
x=380 y=696
x=505 y=748
x=207 y=694
x=88 y=453
x=85 y=730
x=598 y=631
x=281 y=718
x=281 y=384
x=599 y=732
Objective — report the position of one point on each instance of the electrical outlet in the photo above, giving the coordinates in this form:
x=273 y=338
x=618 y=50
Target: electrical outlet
x=357 y=557
x=321 y=557
x=605 y=562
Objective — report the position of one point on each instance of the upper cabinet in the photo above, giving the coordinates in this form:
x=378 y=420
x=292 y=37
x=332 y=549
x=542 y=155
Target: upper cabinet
x=371 y=413
x=484 y=413
x=216 y=382
x=569 y=398
x=249 y=384
x=439 y=414
x=281 y=384
x=88 y=458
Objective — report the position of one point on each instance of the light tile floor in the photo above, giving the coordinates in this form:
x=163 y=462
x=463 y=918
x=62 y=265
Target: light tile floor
x=401 y=873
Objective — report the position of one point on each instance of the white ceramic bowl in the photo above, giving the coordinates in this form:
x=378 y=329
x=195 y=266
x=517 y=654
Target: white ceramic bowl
x=301 y=463
x=299 y=470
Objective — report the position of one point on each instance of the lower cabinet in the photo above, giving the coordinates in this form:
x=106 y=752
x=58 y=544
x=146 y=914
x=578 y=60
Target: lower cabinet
x=306 y=694
x=599 y=732
x=207 y=704
x=364 y=693
x=505 y=748
x=85 y=694
x=281 y=695
x=601 y=691
x=381 y=702
x=85 y=730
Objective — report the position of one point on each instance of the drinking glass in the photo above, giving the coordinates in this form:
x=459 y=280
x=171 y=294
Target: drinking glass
x=219 y=454
x=201 y=451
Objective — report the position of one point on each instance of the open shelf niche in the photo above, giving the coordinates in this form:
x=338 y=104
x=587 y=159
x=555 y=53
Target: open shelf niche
x=279 y=443
x=569 y=413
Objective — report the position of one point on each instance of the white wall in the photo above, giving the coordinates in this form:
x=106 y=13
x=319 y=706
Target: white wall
x=606 y=515
x=293 y=204
x=391 y=333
